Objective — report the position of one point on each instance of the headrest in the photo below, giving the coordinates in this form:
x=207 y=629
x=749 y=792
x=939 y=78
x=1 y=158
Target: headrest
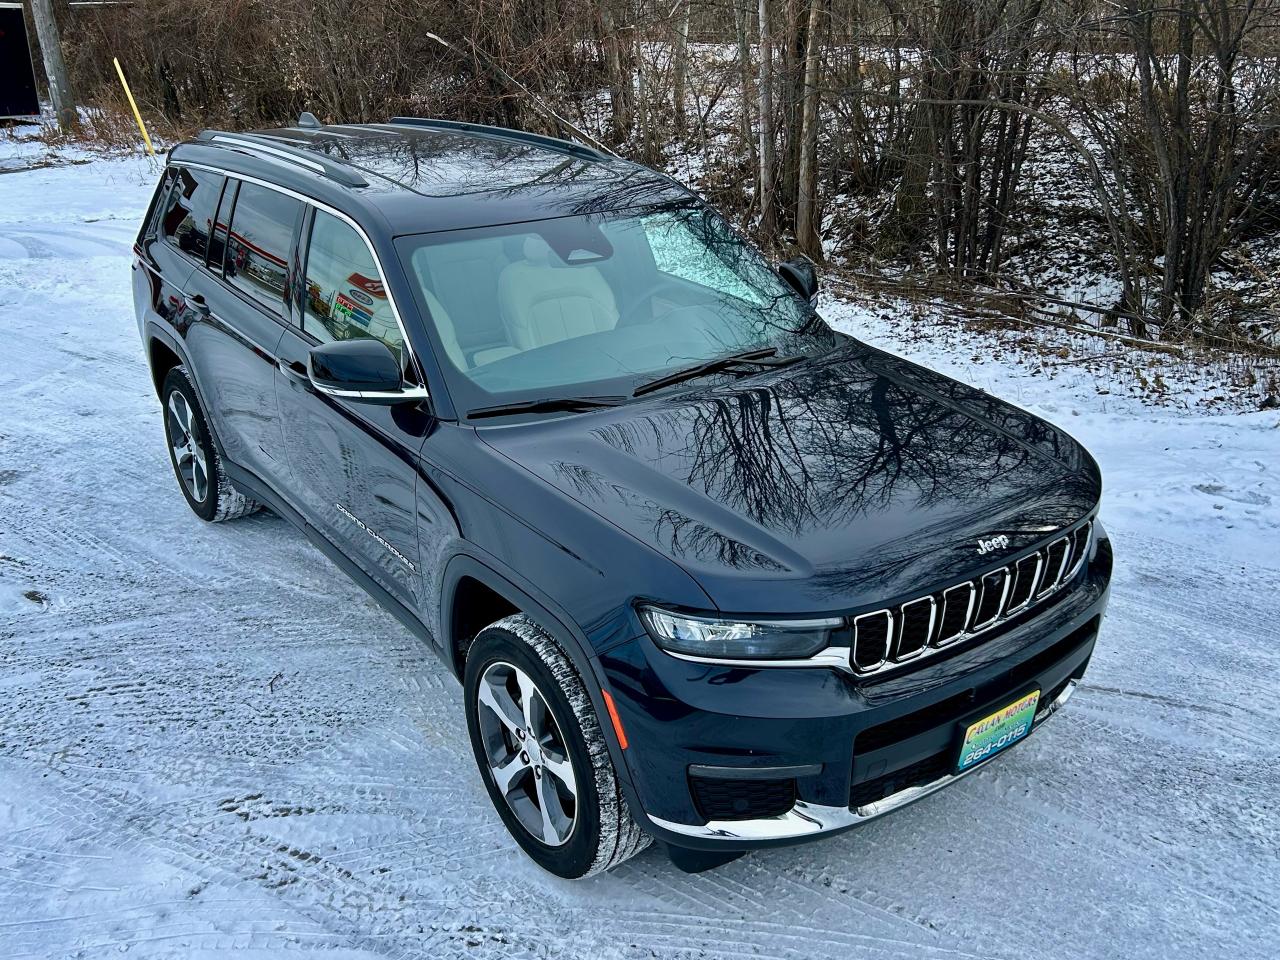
x=513 y=247
x=536 y=250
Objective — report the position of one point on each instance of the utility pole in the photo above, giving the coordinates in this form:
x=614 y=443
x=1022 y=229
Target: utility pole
x=64 y=103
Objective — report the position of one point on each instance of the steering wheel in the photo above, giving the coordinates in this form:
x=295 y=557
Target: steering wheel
x=628 y=316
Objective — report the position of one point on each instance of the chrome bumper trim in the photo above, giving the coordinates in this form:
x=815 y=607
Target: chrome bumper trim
x=807 y=819
x=802 y=820
x=1044 y=713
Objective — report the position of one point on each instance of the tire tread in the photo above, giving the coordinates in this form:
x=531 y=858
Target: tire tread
x=228 y=502
x=621 y=838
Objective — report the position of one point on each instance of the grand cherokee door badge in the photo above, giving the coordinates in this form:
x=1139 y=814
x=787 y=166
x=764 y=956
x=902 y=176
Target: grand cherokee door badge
x=373 y=533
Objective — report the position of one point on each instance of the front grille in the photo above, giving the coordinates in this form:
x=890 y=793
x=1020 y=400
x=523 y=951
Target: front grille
x=718 y=799
x=922 y=626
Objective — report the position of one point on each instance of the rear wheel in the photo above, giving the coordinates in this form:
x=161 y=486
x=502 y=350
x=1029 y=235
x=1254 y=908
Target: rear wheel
x=194 y=455
x=542 y=754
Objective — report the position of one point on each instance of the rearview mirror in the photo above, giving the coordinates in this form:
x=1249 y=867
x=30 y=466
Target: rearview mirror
x=802 y=275
x=362 y=369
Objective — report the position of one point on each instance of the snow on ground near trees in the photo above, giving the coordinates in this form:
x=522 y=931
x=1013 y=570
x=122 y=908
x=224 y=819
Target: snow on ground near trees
x=212 y=743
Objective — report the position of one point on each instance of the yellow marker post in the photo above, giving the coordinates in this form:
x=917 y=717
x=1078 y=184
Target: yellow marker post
x=136 y=115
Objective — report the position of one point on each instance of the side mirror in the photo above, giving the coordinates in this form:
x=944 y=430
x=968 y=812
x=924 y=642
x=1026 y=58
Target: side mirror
x=362 y=369
x=802 y=275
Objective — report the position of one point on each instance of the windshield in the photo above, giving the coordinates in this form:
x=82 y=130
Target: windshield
x=598 y=304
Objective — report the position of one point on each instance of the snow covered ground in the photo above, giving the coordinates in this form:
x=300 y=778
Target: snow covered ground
x=212 y=743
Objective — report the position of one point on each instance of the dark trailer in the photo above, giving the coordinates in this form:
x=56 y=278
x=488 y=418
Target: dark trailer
x=17 y=78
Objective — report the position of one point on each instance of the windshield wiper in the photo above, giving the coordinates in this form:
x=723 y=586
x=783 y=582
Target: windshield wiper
x=546 y=405
x=764 y=357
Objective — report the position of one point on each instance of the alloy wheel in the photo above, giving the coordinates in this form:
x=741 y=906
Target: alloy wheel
x=526 y=753
x=185 y=445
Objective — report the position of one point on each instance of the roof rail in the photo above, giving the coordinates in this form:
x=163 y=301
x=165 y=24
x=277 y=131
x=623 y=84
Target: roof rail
x=521 y=136
x=278 y=150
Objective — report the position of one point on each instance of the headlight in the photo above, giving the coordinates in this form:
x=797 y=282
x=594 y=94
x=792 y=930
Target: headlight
x=738 y=639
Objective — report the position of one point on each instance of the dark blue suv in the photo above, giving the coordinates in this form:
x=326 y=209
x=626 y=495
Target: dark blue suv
x=710 y=571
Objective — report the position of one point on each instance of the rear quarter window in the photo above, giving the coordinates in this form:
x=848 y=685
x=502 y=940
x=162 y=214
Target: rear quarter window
x=188 y=211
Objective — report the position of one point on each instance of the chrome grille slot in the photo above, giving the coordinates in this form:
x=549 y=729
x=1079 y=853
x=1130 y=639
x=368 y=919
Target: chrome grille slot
x=1080 y=547
x=884 y=639
x=993 y=588
x=1057 y=555
x=1026 y=575
x=957 y=605
x=872 y=634
x=915 y=628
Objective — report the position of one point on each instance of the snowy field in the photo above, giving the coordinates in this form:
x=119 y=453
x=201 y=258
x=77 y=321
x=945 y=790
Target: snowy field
x=213 y=744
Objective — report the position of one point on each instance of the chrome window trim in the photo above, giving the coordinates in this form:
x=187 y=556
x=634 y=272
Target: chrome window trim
x=345 y=218
x=217 y=317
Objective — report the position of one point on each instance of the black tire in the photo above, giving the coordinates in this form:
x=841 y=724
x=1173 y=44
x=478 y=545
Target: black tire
x=216 y=499
x=603 y=834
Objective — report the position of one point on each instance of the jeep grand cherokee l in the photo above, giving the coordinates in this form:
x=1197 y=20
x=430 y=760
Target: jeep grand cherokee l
x=709 y=571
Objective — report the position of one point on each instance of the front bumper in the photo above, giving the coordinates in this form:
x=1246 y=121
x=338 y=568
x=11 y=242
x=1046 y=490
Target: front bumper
x=854 y=750
x=805 y=820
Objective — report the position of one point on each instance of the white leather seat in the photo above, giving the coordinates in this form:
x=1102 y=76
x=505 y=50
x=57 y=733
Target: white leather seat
x=448 y=333
x=544 y=302
x=449 y=338
x=463 y=275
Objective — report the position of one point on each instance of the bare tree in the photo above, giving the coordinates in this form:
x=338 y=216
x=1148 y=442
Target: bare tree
x=1213 y=143
x=766 y=199
x=906 y=126
x=680 y=66
x=807 y=237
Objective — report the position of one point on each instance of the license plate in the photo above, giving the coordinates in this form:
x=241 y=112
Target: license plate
x=997 y=731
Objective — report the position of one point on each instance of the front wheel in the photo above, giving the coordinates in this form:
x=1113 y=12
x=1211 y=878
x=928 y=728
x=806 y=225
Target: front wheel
x=542 y=754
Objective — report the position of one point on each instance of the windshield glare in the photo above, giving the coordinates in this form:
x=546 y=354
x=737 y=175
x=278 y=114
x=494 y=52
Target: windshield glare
x=598 y=304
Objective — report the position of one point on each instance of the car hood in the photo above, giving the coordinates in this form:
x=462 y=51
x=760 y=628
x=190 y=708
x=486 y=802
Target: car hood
x=847 y=481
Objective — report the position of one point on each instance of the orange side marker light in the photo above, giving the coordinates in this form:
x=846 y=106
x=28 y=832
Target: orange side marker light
x=613 y=716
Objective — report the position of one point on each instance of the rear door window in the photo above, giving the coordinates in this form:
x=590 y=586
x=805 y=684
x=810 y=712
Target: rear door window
x=258 y=244
x=189 y=210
